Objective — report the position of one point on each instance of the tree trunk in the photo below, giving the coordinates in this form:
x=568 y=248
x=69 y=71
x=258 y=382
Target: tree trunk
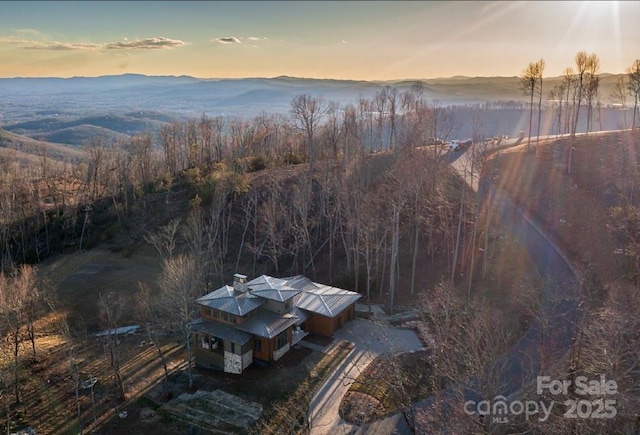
x=530 y=118
x=539 y=112
x=394 y=256
x=457 y=245
x=189 y=357
x=16 y=349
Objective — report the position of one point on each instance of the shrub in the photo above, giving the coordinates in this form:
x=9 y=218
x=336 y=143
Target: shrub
x=295 y=158
x=258 y=163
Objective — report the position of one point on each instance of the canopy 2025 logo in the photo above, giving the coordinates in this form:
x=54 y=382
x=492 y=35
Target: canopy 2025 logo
x=594 y=404
x=601 y=407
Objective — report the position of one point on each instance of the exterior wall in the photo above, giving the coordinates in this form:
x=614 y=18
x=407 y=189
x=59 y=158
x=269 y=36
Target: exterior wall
x=230 y=357
x=278 y=307
x=205 y=312
x=269 y=349
x=211 y=359
x=319 y=324
x=237 y=349
x=211 y=314
x=234 y=363
x=277 y=354
x=265 y=349
x=326 y=326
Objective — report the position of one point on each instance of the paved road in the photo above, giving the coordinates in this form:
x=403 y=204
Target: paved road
x=371 y=339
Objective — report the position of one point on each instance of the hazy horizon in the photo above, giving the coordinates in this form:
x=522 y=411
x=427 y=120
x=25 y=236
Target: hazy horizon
x=370 y=41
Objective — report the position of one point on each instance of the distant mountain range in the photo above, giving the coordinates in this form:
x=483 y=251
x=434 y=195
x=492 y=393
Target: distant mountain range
x=70 y=110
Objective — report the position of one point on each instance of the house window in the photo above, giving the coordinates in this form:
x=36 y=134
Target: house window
x=232 y=318
x=281 y=340
x=257 y=345
x=207 y=342
x=233 y=347
x=287 y=305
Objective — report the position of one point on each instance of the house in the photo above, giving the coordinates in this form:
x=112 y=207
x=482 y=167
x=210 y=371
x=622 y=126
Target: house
x=261 y=319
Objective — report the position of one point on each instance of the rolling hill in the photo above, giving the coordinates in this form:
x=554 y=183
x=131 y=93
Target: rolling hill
x=27 y=149
x=76 y=110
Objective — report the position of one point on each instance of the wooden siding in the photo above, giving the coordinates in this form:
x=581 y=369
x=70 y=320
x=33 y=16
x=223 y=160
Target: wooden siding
x=212 y=314
x=327 y=326
x=269 y=346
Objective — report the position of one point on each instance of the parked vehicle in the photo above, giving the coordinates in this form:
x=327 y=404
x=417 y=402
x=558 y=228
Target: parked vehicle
x=454 y=145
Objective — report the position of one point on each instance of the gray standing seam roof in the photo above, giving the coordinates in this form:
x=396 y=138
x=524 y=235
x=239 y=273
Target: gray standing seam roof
x=308 y=296
x=275 y=289
x=230 y=301
x=268 y=324
x=327 y=301
x=221 y=330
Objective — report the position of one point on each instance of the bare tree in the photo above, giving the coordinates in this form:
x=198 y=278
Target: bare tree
x=529 y=82
x=392 y=104
x=112 y=308
x=20 y=306
x=592 y=83
x=584 y=64
x=306 y=114
x=619 y=96
x=634 y=88
x=333 y=127
x=164 y=239
x=570 y=89
x=180 y=286
x=540 y=73
x=556 y=96
x=149 y=310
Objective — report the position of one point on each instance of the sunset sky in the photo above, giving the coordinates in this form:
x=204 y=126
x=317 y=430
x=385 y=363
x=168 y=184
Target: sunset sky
x=342 y=40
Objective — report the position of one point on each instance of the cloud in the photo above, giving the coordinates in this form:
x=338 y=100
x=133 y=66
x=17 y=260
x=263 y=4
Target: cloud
x=227 y=40
x=136 y=44
x=60 y=46
x=145 y=44
x=11 y=40
x=29 y=32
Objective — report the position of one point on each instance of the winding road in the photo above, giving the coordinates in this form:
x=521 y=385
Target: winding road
x=548 y=337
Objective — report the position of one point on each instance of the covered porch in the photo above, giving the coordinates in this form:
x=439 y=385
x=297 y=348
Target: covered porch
x=222 y=347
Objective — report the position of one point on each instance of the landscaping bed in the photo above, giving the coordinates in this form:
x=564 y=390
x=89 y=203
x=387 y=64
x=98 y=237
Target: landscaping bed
x=387 y=385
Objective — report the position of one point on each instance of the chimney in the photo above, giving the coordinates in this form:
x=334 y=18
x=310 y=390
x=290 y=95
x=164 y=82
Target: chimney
x=240 y=282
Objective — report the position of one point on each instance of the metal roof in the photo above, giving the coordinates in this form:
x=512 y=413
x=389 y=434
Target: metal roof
x=300 y=314
x=308 y=296
x=221 y=330
x=275 y=289
x=301 y=282
x=326 y=300
x=231 y=301
x=268 y=324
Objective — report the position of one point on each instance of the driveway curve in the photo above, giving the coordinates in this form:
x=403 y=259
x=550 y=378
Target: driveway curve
x=371 y=338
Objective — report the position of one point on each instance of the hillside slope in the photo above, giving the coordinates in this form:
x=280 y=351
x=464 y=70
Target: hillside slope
x=27 y=148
